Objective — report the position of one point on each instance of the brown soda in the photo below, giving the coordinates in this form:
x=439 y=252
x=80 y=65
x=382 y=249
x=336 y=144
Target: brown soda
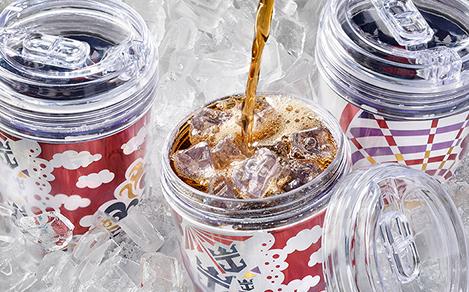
x=262 y=31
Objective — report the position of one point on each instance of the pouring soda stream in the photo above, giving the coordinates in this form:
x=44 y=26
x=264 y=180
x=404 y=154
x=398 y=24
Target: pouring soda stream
x=262 y=32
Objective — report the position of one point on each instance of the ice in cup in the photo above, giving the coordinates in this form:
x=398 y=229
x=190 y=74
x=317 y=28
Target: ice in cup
x=289 y=216
x=292 y=146
x=394 y=73
x=77 y=80
x=236 y=211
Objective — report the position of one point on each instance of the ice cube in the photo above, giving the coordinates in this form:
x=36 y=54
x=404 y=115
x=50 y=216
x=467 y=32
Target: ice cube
x=216 y=86
x=210 y=4
x=142 y=232
x=272 y=61
x=291 y=35
x=287 y=7
x=267 y=120
x=182 y=63
x=222 y=187
x=176 y=98
x=298 y=79
x=110 y=277
x=50 y=229
x=459 y=193
x=282 y=147
x=227 y=63
x=18 y=257
x=206 y=123
x=206 y=14
x=461 y=174
x=99 y=246
x=8 y=231
x=225 y=152
x=96 y=259
x=161 y=273
x=56 y=272
x=89 y=242
x=313 y=143
x=155 y=209
x=129 y=249
x=252 y=177
x=181 y=35
x=195 y=163
x=300 y=173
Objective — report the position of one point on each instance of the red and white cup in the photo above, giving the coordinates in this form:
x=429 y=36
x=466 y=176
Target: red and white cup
x=74 y=106
x=379 y=229
x=238 y=248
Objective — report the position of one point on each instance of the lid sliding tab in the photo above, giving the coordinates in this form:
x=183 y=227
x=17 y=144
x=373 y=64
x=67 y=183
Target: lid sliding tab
x=404 y=21
x=55 y=51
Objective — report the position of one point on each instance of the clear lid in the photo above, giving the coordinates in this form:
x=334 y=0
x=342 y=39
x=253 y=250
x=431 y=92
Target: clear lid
x=391 y=228
x=404 y=58
x=73 y=69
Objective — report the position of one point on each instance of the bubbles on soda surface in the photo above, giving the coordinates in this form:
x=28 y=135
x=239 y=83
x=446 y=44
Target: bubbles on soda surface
x=292 y=146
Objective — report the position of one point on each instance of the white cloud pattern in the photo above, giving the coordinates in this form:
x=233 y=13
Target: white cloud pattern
x=70 y=203
x=135 y=143
x=303 y=240
x=73 y=160
x=95 y=180
x=315 y=258
x=303 y=285
x=88 y=221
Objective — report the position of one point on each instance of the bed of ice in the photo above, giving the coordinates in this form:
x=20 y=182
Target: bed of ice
x=204 y=53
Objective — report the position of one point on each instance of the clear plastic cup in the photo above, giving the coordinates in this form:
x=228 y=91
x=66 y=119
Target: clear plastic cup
x=239 y=236
x=77 y=80
x=389 y=228
x=395 y=73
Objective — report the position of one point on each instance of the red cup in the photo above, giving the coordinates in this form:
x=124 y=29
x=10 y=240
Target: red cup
x=229 y=245
x=74 y=107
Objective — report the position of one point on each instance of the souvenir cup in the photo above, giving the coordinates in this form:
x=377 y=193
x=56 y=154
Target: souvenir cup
x=77 y=80
x=389 y=228
x=257 y=244
x=396 y=76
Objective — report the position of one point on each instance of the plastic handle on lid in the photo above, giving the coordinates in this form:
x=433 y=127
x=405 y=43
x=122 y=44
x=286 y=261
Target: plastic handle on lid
x=404 y=21
x=55 y=51
x=400 y=246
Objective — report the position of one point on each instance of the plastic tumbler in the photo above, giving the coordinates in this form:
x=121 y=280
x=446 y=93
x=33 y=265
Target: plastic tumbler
x=389 y=228
x=395 y=73
x=77 y=80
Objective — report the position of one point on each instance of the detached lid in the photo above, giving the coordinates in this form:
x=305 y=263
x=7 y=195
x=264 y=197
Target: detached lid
x=404 y=58
x=73 y=62
x=391 y=228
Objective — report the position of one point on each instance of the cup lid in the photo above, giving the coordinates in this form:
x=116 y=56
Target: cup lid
x=391 y=228
x=390 y=54
x=83 y=60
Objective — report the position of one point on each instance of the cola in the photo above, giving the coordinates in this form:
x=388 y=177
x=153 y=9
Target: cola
x=291 y=147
